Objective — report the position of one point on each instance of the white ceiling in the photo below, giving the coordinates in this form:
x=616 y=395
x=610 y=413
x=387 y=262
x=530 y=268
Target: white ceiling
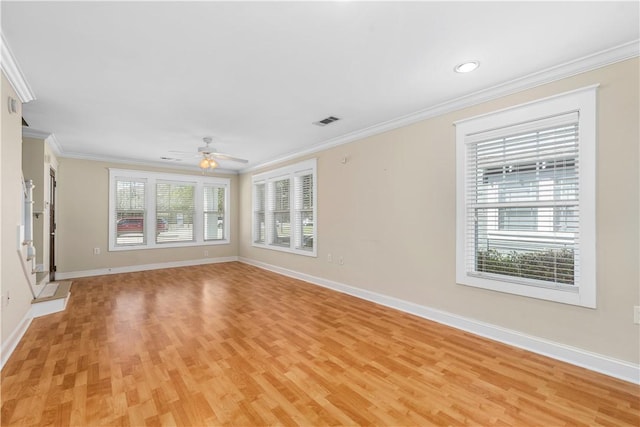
x=118 y=80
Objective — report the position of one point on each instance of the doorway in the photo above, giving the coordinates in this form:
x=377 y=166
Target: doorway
x=52 y=225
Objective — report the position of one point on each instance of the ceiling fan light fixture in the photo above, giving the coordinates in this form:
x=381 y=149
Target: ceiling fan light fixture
x=207 y=163
x=466 y=67
x=204 y=163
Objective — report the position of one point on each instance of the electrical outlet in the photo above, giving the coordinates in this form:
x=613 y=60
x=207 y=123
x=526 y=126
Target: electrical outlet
x=96 y=251
x=206 y=253
x=341 y=261
x=636 y=314
x=329 y=258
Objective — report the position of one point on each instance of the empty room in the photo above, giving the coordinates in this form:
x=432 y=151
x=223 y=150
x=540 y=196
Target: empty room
x=320 y=213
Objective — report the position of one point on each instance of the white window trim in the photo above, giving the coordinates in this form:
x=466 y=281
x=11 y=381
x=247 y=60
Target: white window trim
x=290 y=172
x=584 y=101
x=151 y=178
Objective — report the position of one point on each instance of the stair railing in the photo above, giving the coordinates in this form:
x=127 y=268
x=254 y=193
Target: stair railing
x=27 y=260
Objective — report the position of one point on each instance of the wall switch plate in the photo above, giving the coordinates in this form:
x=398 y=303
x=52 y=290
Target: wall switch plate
x=96 y=251
x=329 y=258
x=636 y=314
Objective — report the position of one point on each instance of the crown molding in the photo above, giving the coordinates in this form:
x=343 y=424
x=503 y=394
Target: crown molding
x=54 y=144
x=581 y=65
x=48 y=137
x=120 y=160
x=12 y=70
x=34 y=133
x=51 y=139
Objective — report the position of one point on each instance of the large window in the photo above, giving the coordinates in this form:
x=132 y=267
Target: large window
x=526 y=192
x=284 y=209
x=154 y=210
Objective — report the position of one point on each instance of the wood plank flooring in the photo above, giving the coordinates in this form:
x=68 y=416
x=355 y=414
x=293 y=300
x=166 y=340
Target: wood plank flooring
x=231 y=344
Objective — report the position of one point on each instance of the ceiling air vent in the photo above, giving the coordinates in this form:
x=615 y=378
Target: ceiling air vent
x=326 y=121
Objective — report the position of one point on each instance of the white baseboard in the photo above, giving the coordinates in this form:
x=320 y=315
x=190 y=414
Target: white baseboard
x=12 y=342
x=596 y=362
x=142 y=267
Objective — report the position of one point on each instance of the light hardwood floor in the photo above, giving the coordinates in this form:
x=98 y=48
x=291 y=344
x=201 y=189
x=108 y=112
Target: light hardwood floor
x=230 y=344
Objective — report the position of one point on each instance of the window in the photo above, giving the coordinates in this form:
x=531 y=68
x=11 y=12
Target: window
x=214 y=212
x=154 y=210
x=258 y=213
x=284 y=209
x=304 y=212
x=130 y=208
x=175 y=211
x=526 y=199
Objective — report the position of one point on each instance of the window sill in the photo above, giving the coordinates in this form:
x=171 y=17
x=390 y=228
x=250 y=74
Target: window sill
x=167 y=245
x=286 y=249
x=561 y=294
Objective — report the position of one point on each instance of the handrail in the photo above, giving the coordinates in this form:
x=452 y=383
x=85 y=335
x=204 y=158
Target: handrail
x=27 y=274
x=28 y=212
x=27 y=222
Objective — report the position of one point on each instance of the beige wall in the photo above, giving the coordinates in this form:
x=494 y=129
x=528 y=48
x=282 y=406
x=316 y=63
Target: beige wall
x=12 y=278
x=390 y=213
x=82 y=211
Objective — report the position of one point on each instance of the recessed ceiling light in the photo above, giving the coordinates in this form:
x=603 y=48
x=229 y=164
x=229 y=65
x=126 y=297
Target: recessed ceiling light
x=466 y=67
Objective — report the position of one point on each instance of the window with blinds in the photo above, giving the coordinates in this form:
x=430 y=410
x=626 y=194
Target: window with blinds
x=129 y=212
x=284 y=209
x=303 y=211
x=151 y=209
x=175 y=211
x=214 y=212
x=526 y=189
x=259 y=213
x=279 y=213
x=523 y=204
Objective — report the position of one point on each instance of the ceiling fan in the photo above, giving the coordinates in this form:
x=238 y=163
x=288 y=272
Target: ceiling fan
x=209 y=154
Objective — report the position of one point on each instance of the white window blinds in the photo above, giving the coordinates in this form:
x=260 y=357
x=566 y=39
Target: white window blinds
x=303 y=208
x=259 y=212
x=523 y=202
x=130 y=208
x=150 y=210
x=214 y=217
x=285 y=210
x=279 y=214
x=175 y=211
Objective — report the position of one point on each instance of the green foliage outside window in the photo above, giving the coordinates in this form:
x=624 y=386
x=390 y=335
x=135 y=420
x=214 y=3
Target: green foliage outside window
x=553 y=265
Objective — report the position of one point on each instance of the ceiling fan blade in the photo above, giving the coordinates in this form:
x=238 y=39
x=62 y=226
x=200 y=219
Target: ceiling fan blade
x=187 y=154
x=227 y=157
